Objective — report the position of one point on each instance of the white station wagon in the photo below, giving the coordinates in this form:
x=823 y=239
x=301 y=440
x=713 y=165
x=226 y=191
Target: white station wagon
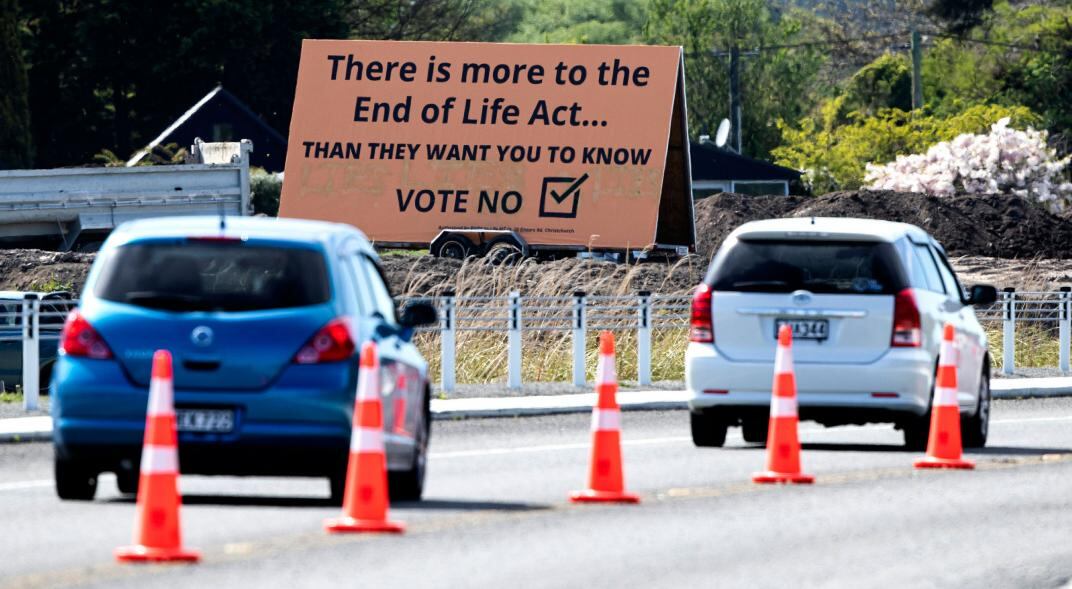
x=866 y=301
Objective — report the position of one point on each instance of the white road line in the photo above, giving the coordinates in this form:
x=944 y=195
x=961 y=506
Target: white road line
x=15 y=486
x=551 y=448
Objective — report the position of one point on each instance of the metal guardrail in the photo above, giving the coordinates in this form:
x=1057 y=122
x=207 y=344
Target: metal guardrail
x=517 y=316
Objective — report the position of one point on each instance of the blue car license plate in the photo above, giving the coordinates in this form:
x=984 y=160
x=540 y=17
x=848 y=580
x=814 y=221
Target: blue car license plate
x=204 y=420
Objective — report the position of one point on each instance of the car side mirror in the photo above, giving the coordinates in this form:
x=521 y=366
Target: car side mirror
x=983 y=294
x=418 y=313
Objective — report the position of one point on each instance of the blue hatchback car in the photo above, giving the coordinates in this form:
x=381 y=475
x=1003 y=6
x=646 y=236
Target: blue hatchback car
x=264 y=319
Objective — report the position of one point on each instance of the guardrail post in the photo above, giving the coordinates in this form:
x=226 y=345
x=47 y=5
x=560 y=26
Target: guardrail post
x=579 y=338
x=31 y=346
x=513 y=378
x=644 y=338
x=447 y=347
x=1064 y=326
x=1008 y=319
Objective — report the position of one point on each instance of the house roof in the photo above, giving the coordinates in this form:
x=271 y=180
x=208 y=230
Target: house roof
x=713 y=163
x=217 y=93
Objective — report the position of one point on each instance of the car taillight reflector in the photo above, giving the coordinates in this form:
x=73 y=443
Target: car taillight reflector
x=907 y=328
x=700 y=329
x=331 y=344
x=80 y=339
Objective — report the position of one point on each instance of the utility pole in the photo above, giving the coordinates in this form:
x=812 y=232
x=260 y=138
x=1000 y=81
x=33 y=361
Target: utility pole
x=736 y=119
x=917 y=65
x=735 y=96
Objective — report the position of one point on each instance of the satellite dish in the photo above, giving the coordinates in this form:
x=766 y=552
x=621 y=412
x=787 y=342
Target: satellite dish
x=723 y=133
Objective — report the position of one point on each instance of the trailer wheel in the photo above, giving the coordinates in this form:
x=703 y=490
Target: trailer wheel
x=456 y=247
x=504 y=253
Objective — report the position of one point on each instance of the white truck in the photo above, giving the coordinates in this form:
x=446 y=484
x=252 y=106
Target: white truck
x=75 y=208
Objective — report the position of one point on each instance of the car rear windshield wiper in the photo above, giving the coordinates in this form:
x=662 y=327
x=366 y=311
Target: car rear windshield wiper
x=757 y=284
x=167 y=300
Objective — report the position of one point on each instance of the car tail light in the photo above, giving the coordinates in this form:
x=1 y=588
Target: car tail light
x=907 y=329
x=80 y=339
x=331 y=344
x=700 y=329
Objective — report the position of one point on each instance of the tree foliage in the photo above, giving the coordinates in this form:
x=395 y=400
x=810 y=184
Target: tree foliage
x=16 y=144
x=834 y=154
x=776 y=82
x=608 y=22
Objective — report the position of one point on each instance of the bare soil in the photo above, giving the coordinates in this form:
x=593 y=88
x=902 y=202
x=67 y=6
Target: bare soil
x=993 y=239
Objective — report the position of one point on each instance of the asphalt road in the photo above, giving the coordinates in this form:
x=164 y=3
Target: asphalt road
x=497 y=516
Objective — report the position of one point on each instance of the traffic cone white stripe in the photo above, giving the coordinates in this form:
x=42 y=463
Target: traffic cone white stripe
x=160 y=398
x=606 y=420
x=945 y=397
x=368 y=382
x=783 y=361
x=159 y=460
x=948 y=354
x=605 y=371
x=783 y=407
x=367 y=440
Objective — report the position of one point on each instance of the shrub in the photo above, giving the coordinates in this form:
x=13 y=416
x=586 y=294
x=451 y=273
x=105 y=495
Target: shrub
x=266 y=188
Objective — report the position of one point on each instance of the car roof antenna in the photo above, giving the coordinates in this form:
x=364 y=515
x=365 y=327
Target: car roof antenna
x=223 y=218
x=812 y=220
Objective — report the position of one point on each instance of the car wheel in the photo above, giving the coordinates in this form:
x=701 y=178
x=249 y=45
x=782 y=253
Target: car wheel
x=337 y=484
x=408 y=485
x=708 y=430
x=504 y=253
x=976 y=427
x=755 y=430
x=127 y=481
x=916 y=431
x=73 y=481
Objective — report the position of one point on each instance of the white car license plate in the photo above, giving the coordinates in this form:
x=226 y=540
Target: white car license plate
x=814 y=329
x=204 y=420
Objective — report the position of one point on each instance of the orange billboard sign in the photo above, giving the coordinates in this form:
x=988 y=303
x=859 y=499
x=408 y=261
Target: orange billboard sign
x=566 y=145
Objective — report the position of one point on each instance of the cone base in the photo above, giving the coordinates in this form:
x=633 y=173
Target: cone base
x=593 y=496
x=141 y=553
x=349 y=525
x=770 y=477
x=957 y=463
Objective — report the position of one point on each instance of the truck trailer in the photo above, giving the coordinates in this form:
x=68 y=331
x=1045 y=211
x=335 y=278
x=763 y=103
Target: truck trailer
x=75 y=208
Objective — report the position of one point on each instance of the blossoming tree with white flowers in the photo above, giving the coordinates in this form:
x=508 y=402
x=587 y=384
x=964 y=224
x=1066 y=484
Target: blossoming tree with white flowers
x=1005 y=160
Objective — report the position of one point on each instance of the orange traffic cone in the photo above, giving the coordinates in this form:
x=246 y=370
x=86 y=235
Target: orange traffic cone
x=157 y=535
x=605 y=479
x=943 y=445
x=783 y=445
x=365 y=500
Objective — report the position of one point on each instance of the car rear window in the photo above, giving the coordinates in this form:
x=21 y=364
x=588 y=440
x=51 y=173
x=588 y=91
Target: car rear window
x=846 y=267
x=208 y=276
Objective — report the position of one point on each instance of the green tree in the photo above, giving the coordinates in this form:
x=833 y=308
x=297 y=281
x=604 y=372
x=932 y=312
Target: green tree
x=608 y=22
x=16 y=146
x=775 y=83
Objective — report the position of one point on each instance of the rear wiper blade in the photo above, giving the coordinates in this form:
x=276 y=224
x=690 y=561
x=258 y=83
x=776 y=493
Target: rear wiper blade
x=755 y=283
x=165 y=300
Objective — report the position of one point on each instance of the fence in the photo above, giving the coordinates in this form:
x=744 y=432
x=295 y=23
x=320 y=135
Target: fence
x=35 y=320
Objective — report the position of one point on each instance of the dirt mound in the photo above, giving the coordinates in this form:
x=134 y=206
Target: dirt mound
x=993 y=225
x=45 y=271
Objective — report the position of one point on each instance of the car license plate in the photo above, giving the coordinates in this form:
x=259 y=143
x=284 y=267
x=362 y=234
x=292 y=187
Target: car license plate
x=813 y=329
x=204 y=420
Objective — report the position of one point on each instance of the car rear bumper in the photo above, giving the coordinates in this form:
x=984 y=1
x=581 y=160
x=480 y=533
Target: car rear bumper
x=298 y=426
x=896 y=385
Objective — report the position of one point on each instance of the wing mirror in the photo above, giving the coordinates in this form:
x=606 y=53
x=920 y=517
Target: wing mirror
x=418 y=313
x=982 y=294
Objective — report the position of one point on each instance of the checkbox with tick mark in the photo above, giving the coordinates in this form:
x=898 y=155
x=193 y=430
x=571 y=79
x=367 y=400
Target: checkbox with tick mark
x=560 y=196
